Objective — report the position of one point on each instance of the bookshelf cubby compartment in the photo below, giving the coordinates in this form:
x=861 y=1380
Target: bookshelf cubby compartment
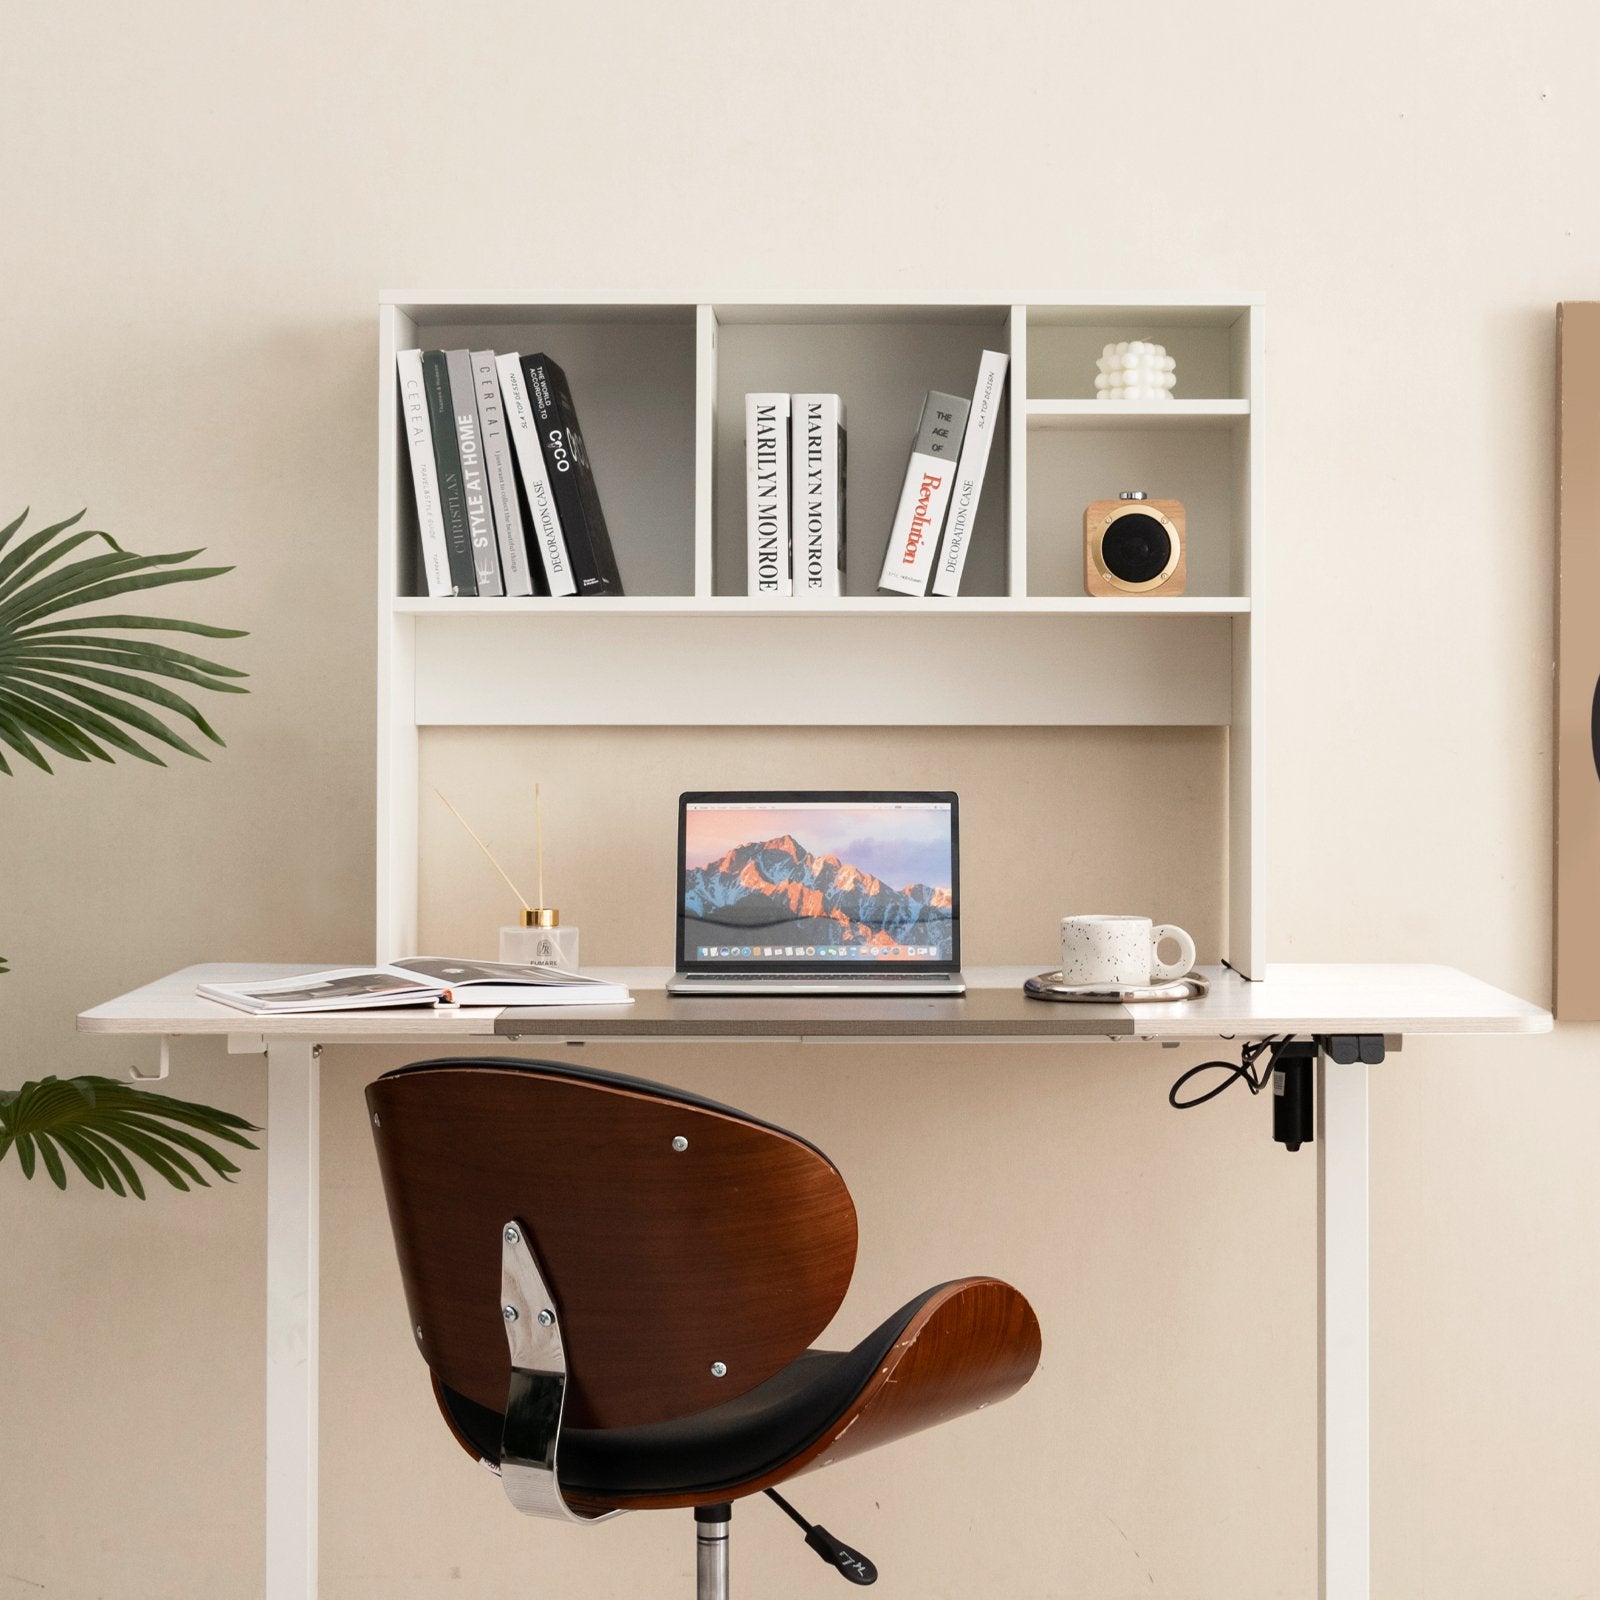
x=660 y=388
x=881 y=360
x=1210 y=343
x=1070 y=468
x=632 y=370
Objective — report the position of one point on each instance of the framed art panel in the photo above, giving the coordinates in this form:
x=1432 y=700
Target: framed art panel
x=1577 y=828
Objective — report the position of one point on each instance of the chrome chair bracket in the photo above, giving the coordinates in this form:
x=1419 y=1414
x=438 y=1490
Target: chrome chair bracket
x=536 y=1398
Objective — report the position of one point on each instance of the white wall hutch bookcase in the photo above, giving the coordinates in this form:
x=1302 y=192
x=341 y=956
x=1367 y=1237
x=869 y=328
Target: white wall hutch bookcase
x=660 y=389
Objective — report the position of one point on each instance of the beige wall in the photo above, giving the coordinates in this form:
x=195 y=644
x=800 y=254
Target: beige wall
x=200 y=207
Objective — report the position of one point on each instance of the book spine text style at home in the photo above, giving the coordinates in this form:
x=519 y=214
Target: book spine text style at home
x=925 y=494
x=447 y=459
x=766 y=456
x=501 y=474
x=424 y=473
x=817 y=500
x=970 y=468
x=544 y=524
x=474 y=480
x=571 y=476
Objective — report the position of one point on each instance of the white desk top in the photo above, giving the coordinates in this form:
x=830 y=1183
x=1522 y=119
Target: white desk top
x=1293 y=998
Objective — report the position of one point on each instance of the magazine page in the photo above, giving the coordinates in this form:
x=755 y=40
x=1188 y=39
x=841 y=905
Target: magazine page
x=448 y=973
x=334 y=989
x=509 y=983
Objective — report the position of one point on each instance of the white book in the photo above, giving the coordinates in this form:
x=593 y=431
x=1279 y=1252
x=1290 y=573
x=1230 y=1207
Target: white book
x=424 y=473
x=970 y=468
x=766 y=458
x=932 y=468
x=502 y=475
x=817 y=501
x=543 y=518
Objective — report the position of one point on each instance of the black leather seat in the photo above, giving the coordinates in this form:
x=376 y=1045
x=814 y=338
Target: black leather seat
x=710 y=1452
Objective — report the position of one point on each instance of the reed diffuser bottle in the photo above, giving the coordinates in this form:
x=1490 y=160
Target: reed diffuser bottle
x=539 y=938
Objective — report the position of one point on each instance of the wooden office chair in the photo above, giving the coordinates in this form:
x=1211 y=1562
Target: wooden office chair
x=614 y=1285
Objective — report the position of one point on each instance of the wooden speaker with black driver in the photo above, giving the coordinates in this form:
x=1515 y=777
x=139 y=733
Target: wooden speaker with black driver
x=1134 y=546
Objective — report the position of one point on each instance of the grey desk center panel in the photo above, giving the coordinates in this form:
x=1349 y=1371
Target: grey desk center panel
x=983 y=1013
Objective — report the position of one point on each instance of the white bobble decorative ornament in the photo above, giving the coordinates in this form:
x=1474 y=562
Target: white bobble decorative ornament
x=1135 y=370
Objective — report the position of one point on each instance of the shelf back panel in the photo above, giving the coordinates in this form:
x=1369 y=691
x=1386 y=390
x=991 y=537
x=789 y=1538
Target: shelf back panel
x=1053 y=821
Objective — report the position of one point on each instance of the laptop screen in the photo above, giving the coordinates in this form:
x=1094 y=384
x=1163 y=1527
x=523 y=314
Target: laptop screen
x=805 y=881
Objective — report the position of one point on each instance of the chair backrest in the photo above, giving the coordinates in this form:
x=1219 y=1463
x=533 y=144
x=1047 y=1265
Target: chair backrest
x=674 y=1233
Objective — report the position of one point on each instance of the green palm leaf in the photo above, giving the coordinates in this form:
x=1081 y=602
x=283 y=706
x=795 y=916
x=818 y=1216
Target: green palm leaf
x=103 y=1126
x=58 y=662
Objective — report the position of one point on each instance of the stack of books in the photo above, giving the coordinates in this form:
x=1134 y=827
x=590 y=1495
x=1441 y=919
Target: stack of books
x=945 y=475
x=795 y=478
x=506 y=498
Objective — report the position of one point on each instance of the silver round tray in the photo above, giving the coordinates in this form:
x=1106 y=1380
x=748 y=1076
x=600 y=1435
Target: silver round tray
x=1048 y=986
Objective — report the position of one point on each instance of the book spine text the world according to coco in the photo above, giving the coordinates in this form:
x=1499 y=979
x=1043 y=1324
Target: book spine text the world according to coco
x=544 y=522
x=583 y=522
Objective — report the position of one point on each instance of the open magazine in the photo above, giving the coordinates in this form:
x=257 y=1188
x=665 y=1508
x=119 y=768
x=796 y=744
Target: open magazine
x=417 y=981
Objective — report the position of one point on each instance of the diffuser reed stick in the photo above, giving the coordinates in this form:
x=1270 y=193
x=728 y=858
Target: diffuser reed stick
x=472 y=834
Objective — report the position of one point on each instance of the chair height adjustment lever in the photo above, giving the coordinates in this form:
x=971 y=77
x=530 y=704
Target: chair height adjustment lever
x=848 y=1562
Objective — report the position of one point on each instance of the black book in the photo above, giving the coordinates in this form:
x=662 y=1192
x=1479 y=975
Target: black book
x=594 y=567
x=447 y=457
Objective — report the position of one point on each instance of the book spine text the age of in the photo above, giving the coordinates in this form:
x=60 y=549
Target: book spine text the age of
x=544 y=523
x=474 y=480
x=925 y=494
x=818 y=472
x=424 y=473
x=594 y=566
x=968 y=484
x=447 y=460
x=766 y=458
x=502 y=476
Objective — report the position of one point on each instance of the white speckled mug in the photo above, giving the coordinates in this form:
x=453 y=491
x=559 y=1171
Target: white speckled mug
x=1121 y=952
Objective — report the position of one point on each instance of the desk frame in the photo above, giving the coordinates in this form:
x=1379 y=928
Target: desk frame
x=1319 y=1001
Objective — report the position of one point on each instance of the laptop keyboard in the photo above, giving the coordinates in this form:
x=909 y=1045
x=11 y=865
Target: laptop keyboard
x=817 y=977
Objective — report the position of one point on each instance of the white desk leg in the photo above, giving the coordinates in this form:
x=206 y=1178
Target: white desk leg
x=1344 y=1534
x=292 y=1199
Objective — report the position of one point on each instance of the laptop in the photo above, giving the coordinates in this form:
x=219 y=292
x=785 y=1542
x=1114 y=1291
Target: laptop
x=799 y=892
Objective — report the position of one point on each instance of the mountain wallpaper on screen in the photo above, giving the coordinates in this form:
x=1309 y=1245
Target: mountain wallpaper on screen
x=778 y=882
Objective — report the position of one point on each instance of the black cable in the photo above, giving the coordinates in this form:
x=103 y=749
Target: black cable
x=1248 y=1055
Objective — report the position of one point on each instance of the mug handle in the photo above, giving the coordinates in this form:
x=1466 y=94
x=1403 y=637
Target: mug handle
x=1165 y=971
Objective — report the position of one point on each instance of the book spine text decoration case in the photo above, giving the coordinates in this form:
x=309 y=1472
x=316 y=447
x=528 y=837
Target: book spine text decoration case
x=660 y=393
